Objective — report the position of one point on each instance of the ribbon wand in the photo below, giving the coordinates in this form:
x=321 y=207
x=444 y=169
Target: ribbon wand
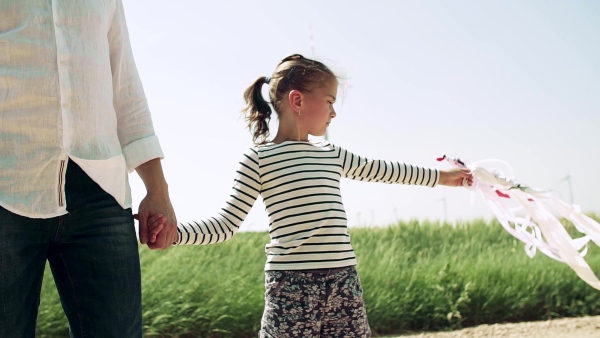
x=539 y=228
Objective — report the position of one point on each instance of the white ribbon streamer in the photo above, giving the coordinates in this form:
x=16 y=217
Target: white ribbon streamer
x=540 y=227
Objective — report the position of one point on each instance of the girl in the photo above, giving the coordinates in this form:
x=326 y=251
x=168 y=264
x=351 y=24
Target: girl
x=312 y=287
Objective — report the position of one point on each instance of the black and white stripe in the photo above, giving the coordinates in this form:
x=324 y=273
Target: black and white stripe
x=299 y=183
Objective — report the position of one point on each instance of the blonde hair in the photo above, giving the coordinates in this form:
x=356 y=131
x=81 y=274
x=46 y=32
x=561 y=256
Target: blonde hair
x=294 y=72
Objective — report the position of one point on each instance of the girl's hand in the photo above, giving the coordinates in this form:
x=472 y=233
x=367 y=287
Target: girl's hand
x=155 y=224
x=456 y=177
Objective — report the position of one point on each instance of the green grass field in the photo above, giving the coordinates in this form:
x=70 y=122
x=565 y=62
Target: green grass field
x=416 y=277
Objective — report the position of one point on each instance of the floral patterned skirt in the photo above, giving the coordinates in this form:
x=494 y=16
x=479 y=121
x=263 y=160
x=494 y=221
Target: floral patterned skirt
x=314 y=303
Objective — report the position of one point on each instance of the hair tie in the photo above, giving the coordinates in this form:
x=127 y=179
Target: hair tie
x=288 y=78
x=267 y=79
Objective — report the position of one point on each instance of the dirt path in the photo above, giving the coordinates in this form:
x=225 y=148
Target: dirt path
x=584 y=327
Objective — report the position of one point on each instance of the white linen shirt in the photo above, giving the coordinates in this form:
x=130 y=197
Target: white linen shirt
x=69 y=89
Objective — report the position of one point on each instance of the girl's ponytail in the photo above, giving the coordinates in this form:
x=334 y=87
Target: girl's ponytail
x=257 y=111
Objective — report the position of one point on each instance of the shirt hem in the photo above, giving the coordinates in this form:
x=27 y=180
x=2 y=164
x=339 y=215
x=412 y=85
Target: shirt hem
x=311 y=266
x=29 y=215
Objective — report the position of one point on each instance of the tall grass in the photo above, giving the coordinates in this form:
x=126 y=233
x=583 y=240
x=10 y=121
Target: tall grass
x=416 y=276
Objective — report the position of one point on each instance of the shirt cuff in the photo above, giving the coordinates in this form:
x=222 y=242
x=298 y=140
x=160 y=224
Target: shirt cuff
x=436 y=174
x=142 y=151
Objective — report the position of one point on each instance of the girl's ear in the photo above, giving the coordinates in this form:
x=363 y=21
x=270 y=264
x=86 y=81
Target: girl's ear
x=295 y=98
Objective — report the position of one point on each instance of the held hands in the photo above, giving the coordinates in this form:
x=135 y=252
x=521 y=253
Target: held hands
x=156 y=224
x=456 y=177
x=156 y=202
x=155 y=229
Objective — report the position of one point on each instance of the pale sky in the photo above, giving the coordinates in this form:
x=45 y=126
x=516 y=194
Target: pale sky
x=517 y=81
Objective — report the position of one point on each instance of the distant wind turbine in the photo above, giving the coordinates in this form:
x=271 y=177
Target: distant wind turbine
x=445 y=208
x=568 y=180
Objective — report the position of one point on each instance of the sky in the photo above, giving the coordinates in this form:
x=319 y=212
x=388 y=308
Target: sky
x=516 y=81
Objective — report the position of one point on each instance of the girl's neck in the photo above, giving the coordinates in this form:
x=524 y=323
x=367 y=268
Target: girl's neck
x=289 y=132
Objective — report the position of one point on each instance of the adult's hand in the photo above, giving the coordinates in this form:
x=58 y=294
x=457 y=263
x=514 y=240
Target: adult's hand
x=152 y=205
x=156 y=202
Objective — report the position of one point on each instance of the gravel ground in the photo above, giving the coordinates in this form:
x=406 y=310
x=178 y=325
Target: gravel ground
x=583 y=327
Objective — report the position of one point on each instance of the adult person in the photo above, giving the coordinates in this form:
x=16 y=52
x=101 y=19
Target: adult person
x=74 y=121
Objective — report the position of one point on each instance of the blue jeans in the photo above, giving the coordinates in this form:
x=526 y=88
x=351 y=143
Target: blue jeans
x=93 y=255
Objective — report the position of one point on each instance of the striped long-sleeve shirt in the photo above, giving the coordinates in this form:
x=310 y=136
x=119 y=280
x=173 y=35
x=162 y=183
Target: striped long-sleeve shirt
x=299 y=183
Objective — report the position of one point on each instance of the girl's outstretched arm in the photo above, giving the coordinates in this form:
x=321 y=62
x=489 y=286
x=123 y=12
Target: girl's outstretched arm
x=246 y=187
x=369 y=170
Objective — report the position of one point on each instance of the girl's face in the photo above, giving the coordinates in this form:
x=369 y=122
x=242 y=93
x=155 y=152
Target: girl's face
x=317 y=108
